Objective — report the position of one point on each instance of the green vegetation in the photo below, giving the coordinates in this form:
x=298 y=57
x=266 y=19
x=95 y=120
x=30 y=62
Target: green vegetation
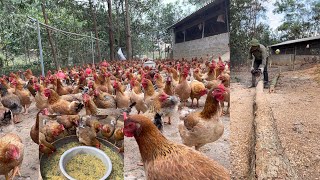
x=149 y=21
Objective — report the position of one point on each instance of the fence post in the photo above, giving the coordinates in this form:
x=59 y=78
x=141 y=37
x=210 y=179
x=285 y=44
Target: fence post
x=92 y=49
x=40 y=47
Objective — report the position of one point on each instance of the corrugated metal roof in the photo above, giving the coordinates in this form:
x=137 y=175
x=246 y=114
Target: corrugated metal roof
x=296 y=41
x=203 y=8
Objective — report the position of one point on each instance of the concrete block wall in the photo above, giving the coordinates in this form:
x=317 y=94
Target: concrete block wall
x=285 y=59
x=217 y=45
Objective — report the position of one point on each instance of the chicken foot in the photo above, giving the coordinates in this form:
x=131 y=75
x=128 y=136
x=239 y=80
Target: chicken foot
x=197 y=147
x=25 y=109
x=169 y=121
x=15 y=171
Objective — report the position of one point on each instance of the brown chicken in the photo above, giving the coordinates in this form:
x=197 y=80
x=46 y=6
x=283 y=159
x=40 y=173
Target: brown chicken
x=202 y=127
x=225 y=79
x=11 y=155
x=164 y=159
x=60 y=106
x=197 y=90
x=118 y=135
x=23 y=94
x=11 y=101
x=168 y=88
x=92 y=109
x=51 y=129
x=159 y=81
x=197 y=75
x=149 y=93
x=104 y=100
x=107 y=130
x=4 y=83
x=45 y=149
x=183 y=89
x=62 y=90
x=87 y=136
x=211 y=73
x=41 y=100
x=34 y=133
x=137 y=96
x=122 y=97
x=94 y=124
x=69 y=121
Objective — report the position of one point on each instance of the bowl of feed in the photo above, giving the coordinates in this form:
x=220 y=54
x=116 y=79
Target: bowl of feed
x=85 y=162
x=49 y=164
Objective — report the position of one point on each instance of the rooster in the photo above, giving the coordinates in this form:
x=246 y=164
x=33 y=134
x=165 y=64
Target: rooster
x=202 y=127
x=164 y=159
x=11 y=155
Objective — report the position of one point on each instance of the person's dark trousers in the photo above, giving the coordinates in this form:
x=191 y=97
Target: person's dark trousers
x=256 y=64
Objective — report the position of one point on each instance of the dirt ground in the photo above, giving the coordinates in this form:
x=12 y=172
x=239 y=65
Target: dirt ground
x=30 y=166
x=219 y=150
x=295 y=106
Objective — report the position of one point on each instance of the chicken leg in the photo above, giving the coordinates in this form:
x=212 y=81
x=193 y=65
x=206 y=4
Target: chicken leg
x=25 y=109
x=15 y=171
x=169 y=121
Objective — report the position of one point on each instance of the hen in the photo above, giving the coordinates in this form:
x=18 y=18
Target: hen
x=41 y=100
x=202 y=127
x=60 y=106
x=10 y=101
x=197 y=90
x=164 y=159
x=137 y=96
x=23 y=94
x=122 y=97
x=168 y=88
x=183 y=89
x=11 y=155
x=87 y=135
x=104 y=100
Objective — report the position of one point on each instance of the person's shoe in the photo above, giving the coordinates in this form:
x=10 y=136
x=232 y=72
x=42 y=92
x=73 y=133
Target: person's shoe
x=266 y=85
x=251 y=86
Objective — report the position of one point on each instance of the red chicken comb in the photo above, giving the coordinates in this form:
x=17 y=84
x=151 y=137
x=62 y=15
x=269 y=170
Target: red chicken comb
x=222 y=87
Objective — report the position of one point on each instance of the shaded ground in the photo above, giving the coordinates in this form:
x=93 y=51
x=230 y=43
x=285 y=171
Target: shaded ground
x=219 y=150
x=30 y=165
x=295 y=106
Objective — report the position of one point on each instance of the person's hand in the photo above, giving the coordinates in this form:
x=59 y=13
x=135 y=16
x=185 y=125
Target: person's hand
x=252 y=70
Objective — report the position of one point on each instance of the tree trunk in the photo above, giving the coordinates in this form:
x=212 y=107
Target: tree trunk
x=53 y=49
x=94 y=17
x=111 y=36
x=128 y=31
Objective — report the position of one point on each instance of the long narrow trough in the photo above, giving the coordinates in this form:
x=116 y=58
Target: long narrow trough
x=269 y=160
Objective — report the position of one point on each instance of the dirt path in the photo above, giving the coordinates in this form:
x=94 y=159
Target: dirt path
x=30 y=165
x=219 y=150
x=295 y=106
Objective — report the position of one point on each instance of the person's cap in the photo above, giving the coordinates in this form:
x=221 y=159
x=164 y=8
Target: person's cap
x=254 y=42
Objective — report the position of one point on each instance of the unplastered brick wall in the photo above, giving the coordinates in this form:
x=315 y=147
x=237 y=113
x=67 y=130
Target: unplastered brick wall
x=213 y=45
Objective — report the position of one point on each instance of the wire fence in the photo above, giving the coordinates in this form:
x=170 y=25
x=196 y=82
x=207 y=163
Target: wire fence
x=71 y=49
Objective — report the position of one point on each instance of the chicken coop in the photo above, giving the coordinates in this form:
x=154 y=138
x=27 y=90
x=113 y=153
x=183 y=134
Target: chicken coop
x=294 y=52
x=203 y=32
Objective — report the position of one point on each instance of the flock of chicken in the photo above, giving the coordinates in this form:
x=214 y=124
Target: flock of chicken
x=75 y=99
